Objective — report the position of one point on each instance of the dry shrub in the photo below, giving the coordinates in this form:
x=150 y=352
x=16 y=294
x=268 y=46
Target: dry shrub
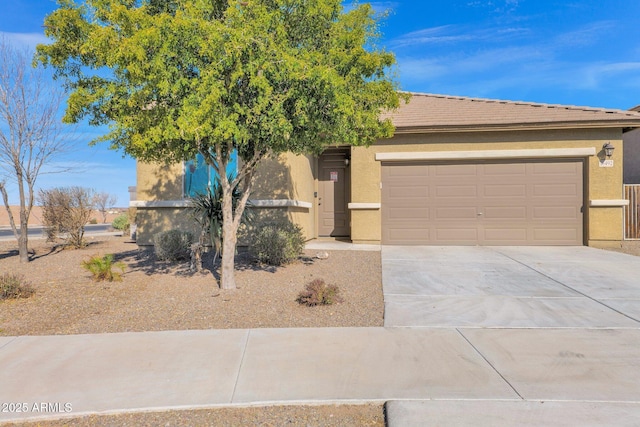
x=13 y=286
x=319 y=293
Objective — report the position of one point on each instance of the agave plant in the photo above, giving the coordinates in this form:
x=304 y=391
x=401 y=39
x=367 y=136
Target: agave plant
x=206 y=209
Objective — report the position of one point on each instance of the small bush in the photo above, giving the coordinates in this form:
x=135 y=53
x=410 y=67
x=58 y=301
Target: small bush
x=102 y=268
x=278 y=243
x=173 y=245
x=319 y=293
x=67 y=210
x=121 y=222
x=13 y=286
x=93 y=221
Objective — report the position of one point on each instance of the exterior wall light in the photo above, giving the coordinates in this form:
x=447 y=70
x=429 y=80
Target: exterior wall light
x=346 y=161
x=608 y=149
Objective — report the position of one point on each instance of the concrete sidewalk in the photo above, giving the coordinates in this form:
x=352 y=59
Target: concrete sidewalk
x=593 y=374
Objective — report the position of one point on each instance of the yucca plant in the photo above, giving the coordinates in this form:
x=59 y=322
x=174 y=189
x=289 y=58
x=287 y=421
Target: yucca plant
x=206 y=209
x=102 y=268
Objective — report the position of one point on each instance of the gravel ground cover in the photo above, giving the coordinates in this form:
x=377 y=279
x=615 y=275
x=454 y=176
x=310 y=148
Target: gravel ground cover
x=157 y=296
x=271 y=416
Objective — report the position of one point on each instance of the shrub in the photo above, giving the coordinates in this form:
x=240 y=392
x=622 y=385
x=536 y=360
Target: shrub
x=102 y=268
x=67 y=210
x=13 y=286
x=319 y=293
x=121 y=222
x=93 y=221
x=278 y=243
x=173 y=245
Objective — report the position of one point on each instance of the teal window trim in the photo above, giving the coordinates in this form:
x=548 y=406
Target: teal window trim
x=198 y=176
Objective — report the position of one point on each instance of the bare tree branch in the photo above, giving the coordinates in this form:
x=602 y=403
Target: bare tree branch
x=31 y=132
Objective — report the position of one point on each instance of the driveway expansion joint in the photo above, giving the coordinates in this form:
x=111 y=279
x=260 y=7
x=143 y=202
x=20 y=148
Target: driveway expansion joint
x=244 y=351
x=8 y=343
x=490 y=364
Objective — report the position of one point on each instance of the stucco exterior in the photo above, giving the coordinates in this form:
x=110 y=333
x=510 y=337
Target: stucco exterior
x=604 y=224
x=287 y=186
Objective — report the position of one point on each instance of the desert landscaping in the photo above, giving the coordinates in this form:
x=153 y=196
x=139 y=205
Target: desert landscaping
x=155 y=295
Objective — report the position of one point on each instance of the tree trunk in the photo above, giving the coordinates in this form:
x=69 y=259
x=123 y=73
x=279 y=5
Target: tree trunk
x=23 y=240
x=229 y=238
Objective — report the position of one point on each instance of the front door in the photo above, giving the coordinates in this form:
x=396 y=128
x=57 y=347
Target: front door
x=333 y=194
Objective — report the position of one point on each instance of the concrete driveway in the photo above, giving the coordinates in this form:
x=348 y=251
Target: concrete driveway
x=560 y=325
x=510 y=287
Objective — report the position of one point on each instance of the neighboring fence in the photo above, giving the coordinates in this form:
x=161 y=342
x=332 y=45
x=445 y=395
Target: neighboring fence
x=632 y=212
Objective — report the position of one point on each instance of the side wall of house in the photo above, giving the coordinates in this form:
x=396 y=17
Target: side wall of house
x=603 y=223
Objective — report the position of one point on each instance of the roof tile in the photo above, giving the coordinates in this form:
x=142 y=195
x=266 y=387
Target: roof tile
x=442 y=112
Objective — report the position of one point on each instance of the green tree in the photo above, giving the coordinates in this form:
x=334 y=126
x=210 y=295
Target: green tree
x=174 y=78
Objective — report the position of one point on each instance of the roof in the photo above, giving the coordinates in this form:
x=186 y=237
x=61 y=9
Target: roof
x=441 y=113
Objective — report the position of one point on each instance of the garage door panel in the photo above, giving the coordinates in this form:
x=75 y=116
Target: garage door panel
x=557 y=190
x=569 y=213
x=456 y=170
x=505 y=212
x=456 y=235
x=505 y=190
x=456 y=191
x=456 y=213
x=502 y=169
x=410 y=236
x=556 y=168
x=402 y=215
x=487 y=203
x=552 y=235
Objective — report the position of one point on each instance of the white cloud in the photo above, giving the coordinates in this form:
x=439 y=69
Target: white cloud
x=457 y=34
x=586 y=35
x=28 y=40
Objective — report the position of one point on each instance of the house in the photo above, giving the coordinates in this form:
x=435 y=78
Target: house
x=459 y=171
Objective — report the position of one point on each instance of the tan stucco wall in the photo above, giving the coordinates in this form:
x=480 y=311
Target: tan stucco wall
x=294 y=177
x=152 y=221
x=159 y=181
x=285 y=177
x=604 y=225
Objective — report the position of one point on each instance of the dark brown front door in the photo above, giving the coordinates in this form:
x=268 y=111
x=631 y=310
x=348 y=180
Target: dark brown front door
x=333 y=194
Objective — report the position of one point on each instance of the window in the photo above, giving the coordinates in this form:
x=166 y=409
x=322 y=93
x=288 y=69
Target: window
x=198 y=176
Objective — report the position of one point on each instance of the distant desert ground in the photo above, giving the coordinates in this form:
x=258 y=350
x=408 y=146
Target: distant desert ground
x=36 y=215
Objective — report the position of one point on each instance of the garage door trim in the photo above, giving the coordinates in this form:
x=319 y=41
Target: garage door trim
x=488 y=154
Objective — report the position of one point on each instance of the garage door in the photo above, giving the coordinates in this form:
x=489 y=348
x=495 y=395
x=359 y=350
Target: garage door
x=487 y=203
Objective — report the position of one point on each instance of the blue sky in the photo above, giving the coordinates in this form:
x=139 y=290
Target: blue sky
x=576 y=52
